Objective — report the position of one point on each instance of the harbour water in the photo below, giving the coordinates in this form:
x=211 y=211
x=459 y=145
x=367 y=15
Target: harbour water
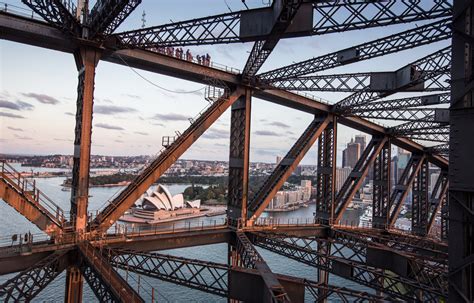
x=14 y=223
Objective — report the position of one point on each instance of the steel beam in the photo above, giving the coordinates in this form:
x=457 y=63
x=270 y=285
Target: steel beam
x=107 y=15
x=461 y=149
x=438 y=197
x=105 y=282
x=115 y=209
x=239 y=159
x=357 y=176
x=286 y=167
x=429 y=72
x=250 y=258
x=331 y=17
x=382 y=187
x=394 y=43
x=404 y=183
x=86 y=62
x=29 y=201
x=28 y=283
x=389 y=283
x=326 y=174
x=283 y=11
x=420 y=207
x=57 y=13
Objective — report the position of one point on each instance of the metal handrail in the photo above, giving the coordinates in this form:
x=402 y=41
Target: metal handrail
x=32 y=193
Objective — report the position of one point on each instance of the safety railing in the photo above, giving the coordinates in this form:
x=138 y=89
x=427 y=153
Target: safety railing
x=275 y=222
x=31 y=193
x=20 y=11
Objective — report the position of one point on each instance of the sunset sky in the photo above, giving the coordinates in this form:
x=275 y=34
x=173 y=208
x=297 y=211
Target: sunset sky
x=38 y=93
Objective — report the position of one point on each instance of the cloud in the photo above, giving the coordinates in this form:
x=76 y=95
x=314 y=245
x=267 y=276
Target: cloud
x=18 y=105
x=15 y=129
x=266 y=133
x=112 y=109
x=279 y=124
x=142 y=133
x=65 y=140
x=42 y=98
x=108 y=126
x=170 y=117
x=289 y=132
x=23 y=137
x=8 y=115
x=69 y=114
x=216 y=134
x=118 y=141
x=132 y=96
x=159 y=124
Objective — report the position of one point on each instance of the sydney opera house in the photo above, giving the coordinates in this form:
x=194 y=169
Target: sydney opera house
x=158 y=204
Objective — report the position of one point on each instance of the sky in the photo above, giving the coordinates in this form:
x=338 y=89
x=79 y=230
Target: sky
x=38 y=92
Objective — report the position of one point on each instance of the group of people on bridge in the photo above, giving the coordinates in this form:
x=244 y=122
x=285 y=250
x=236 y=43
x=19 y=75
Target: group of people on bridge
x=180 y=54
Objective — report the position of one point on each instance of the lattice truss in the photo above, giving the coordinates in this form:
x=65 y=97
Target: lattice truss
x=373 y=96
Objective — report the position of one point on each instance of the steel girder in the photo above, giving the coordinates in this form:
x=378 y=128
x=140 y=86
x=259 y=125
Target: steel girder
x=211 y=277
x=403 y=103
x=394 y=43
x=437 y=199
x=404 y=183
x=159 y=165
x=357 y=176
x=425 y=75
x=461 y=149
x=430 y=71
x=250 y=258
x=28 y=283
x=302 y=250
x=104 y=281
x=332 y=17
x=107 y=15
x=326 y=173
x=286 y=166
x=420 y=206
x=29 y=201
x=57 y=13
x=427 y=130
x=341 y=16
x=262 y=49
x=206 y=276
x=239 y=152
x=425 y=271
x=382 y=187
x=86 y=62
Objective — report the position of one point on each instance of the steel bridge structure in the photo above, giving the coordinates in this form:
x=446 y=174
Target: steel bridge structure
x=435 y=126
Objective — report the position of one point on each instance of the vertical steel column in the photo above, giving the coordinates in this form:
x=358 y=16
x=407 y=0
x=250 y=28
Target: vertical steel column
x=239 y=159
x=86 y=61
x=74 y=284
x=419 y=206
x=445 y=217
x=324 y=249
x=381 y=187
x=325 y=178
x=461 y=166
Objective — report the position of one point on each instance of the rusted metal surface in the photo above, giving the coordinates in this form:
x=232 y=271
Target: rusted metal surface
x=28 y=200
x=239 y=152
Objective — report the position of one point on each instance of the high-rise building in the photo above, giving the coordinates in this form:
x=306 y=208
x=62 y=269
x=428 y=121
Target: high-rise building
x=342 y=173
x=278 y=159
x=351 y=154
x=362 y=142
